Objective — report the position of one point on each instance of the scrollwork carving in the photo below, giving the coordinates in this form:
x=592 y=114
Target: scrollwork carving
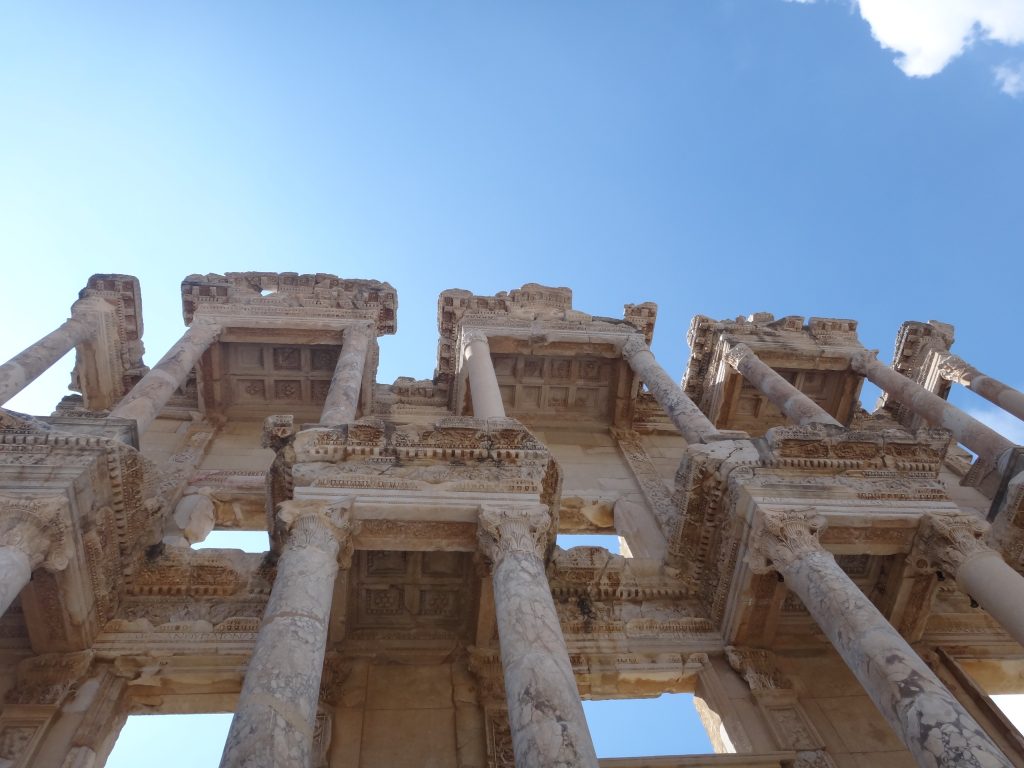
x=780 y=537
x=39 y=528
x=948 y=540
x=513 y=528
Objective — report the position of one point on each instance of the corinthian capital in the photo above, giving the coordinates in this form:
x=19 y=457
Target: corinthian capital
x=780 y=537
x=633 y=346
x=39 y=527
x=947 y=540
x=513 y=528
x=469 y=335
x=953 y=368
x=737 y=354
x=326 y=524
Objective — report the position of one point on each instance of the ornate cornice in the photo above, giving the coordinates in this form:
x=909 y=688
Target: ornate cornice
x=780 y=537
x=519 y=528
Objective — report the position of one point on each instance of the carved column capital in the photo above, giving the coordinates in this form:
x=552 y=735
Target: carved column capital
x=757 y=667
x=469 y=335
x=506 y=528
x=633 y=346
x=39 y=527
x=954 y=368
x=327 y=525
x=737 y=354
x=947 y=540
x=49 y=678
x=862 y=361
x=780 y=537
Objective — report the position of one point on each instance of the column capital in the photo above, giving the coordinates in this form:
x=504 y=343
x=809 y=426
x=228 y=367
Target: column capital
x=954 y=368
x=757 y=667
x=947 y=540
x=469 y=335
x=327 y=525
x=737 y=353
x=864 y=359
x=506 y=528
x=633 y=346
x=780 y=537
x=39 y=528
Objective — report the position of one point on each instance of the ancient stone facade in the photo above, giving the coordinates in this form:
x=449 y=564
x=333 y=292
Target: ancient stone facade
x=836 y=588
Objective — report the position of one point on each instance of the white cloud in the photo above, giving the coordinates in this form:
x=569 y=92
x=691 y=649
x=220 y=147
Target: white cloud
x=1010 y=78
x=928 y=34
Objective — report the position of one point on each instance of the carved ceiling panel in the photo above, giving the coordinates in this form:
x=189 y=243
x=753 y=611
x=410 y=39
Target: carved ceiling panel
x=411 y=591
x=556 y=385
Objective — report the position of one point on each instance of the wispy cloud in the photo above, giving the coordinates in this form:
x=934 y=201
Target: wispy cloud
x=1010 y=78
x=928 y=34
x=1006 y=425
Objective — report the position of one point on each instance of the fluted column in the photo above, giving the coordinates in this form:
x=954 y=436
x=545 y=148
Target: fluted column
x=25 y=367
x=985 y=442
x=274 y=723
x=33 y=534
x=797 y=406
x=691 y=422
x=549 y=729
x=342 y=400
x=483 y=381
x=151 y=394
x=958 y=370
x=954 y=544
x=926 y=716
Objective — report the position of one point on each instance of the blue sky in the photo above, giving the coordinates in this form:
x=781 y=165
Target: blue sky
x=830 y=158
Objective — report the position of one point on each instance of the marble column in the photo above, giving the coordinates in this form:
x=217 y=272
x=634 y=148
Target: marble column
x=923 y=713
x=958 y=370
x=986 y=442
x=549 y=729
x=151 y=394
x=342 y=400
x=483 y=381
x=954 y=544
x=22 y=369
x=32 y=535
x=797 y=406
x=694 y=426
x=274 y=722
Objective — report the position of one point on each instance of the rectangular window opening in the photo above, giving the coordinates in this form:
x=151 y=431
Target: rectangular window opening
x=193 y=740
x=664 y=726
x=247 y=541
x=610 y=541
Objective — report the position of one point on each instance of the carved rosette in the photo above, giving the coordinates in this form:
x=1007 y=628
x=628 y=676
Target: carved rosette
x=513 y=528
x=781 y=537
x=327 y=525
x=948 y=540
x=38 y=527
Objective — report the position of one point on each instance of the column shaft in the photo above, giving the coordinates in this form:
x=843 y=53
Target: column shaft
x=15 y=572
x=273 y=724
x=926 y=716
x=985 y=442
x=998 y=589
x=549 y=729
x=342 y=400
x=483 y=381
x=1006 y=397
x=22 y=369
x=691 y=422
x=797 y=406
x=150 y=395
